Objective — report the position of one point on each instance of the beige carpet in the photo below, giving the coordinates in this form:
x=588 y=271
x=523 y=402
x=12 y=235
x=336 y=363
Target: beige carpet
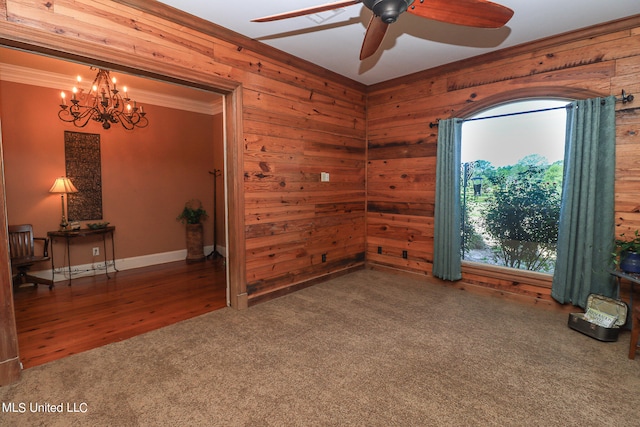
x=366 y=349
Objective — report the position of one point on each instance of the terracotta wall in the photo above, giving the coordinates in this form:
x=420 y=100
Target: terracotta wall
x=600 y=61
x=147 y=174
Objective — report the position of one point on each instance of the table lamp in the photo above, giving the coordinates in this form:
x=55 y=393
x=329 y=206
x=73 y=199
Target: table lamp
x=62 y=186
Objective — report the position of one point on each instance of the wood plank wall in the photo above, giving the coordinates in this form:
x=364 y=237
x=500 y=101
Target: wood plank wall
x=296 y=120
x=402 y=147
x=9 y=360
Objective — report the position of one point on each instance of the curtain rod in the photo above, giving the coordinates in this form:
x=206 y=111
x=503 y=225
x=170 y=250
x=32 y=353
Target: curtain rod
x=624 y=99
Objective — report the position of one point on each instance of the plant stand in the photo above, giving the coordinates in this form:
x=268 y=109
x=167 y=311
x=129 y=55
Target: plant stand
x=195 y=243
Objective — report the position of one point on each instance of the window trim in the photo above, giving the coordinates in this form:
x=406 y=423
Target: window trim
x=513 y=275
x=517 y=276
x=525 y=94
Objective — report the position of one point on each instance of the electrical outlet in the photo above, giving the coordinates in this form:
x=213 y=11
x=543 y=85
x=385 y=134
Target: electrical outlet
x=380 y=249
x=96 y=251
x=405 y=255
x=324 y=257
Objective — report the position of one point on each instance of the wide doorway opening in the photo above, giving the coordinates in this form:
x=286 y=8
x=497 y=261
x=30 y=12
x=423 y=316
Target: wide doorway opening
x=95 y=309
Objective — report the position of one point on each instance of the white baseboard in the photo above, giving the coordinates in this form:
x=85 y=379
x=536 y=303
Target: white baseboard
x=93 y=269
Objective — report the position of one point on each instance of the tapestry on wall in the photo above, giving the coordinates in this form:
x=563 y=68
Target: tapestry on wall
x=82 y=158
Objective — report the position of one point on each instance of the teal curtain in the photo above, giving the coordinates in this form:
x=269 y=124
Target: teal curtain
x=447 y=262
x=585 y=239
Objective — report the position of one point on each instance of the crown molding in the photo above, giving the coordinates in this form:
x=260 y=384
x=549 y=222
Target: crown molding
x=51 y=80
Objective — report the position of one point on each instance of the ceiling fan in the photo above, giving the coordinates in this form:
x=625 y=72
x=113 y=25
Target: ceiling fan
x=471 y=13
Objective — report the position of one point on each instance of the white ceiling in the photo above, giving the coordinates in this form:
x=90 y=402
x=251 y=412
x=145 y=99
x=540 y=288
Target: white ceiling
x=411 y=44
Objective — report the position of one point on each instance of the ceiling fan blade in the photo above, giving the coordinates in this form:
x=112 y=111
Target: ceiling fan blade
x=376 y=30
x=472 y=13
x=307 y=11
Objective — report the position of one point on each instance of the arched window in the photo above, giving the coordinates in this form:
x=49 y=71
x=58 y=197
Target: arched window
x=511 y=169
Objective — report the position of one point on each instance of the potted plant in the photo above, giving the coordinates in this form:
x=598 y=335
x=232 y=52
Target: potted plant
x=192 y=216
x=627 y=254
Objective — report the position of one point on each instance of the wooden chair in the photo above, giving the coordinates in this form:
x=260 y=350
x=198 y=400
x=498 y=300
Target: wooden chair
x=22 y=252
x=635 y=331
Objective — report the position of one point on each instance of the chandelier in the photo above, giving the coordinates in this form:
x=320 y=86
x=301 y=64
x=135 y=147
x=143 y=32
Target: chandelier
x=103 y=103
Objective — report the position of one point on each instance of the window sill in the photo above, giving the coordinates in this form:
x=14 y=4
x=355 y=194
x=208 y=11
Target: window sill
x=511 y=274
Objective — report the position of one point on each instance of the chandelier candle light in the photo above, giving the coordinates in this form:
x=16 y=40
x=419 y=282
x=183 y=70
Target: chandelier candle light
x=102 y=103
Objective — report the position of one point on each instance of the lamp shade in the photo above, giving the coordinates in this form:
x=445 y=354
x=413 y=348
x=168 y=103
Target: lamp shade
x=63 y=185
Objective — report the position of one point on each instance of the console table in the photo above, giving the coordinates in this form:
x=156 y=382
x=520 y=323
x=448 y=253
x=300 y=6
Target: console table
x=69 y=236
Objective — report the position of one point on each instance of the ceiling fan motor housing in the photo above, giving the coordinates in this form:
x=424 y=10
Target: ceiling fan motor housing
x=388 y=10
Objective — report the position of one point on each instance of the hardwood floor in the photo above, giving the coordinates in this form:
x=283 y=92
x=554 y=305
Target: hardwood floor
x=95 y=311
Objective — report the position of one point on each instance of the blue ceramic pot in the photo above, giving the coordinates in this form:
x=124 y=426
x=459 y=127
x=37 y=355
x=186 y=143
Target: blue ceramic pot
x=630 y=262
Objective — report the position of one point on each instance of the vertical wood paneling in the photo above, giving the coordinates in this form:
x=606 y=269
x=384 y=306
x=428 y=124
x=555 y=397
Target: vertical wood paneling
x=9 y=361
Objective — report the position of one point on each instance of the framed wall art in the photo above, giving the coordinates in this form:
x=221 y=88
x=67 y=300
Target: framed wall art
x=83 y=167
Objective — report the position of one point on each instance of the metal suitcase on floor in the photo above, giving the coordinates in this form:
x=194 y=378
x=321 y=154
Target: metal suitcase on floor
x=602 y=318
